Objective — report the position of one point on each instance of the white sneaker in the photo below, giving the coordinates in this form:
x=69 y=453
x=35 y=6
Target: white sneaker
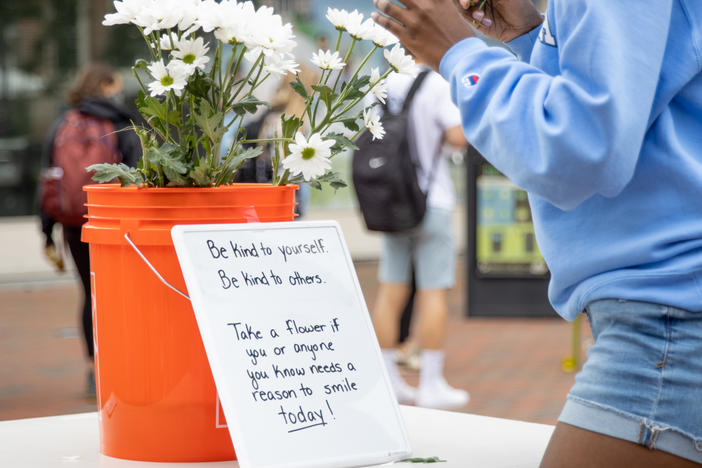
x=405 y=394
x=441 y=395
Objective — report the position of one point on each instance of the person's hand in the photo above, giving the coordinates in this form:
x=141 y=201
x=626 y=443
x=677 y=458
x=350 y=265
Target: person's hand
x=54 y=257
x=427 y=28
x=503 y=20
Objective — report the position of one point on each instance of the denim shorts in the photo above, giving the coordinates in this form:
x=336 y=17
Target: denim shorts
x=642 y=381
x=428 y=248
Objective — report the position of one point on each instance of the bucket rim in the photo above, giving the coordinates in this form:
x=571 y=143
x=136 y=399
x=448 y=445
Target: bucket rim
x=243 y=186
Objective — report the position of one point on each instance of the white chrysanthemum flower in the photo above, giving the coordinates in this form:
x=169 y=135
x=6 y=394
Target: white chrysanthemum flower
x=270 y=34
x=210 y=15
x=328 y=60
x=339 y=129
x=235 y=23
x=372 y=120
x=126 y=12
x=380 y=89
x=309 y=157
x=382 y=37
x=173 y=76
x=168 y=41
x=338 y=17
x=361 y=30
x=400 y=62
x=155 y=15
x=280 y=64
x=189 y=11
x=192 y=52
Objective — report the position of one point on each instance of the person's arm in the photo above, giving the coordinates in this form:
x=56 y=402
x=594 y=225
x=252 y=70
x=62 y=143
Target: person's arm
x=428 y=28
x=577 y=133
x=454 y=137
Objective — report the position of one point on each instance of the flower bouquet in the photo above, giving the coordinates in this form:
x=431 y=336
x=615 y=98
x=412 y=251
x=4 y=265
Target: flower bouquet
x=191 y=94
x=207 y=60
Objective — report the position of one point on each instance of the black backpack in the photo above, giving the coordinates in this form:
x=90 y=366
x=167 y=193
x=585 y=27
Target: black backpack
x=385 y=176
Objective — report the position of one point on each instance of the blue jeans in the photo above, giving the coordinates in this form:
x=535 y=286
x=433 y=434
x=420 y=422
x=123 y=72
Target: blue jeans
x=642 y=381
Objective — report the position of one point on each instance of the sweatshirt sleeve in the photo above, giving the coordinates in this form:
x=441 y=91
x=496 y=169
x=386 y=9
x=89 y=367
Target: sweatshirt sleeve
x=576 y=131
x=524 y=44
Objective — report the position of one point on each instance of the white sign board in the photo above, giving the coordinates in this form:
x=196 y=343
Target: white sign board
x=290 y=344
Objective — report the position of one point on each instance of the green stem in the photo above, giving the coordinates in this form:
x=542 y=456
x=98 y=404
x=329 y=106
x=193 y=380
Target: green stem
x=355 y=102
x=148 y=43
x=269 y=140
x=246 y=80
x=346 y=61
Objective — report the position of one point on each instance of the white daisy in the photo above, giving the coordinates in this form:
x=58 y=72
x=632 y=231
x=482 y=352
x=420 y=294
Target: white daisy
x=126 y=12
x=235 y=23
x=280 y=64
x=338 y=17
x=270 y=34
x=189 y=10
x=372 y=120
x=361 y=30
x=155 y=15
x=399 y=61
x=167 y=41
x=327 y=60
x=380 y=90
x=192 y=52
x=309 y=157
x=382 y=37
x=173 y=76
x=210 y=15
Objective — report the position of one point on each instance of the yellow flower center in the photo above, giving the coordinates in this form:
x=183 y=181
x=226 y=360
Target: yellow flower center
x=166 y=81
x=308 y=153
x=189 y=58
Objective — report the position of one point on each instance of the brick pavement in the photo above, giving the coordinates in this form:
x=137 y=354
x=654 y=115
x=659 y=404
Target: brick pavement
x=511 y=367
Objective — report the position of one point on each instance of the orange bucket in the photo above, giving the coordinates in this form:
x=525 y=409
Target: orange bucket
x=156 y=397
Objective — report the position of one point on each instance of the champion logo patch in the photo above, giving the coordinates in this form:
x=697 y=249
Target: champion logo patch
x=471 y=79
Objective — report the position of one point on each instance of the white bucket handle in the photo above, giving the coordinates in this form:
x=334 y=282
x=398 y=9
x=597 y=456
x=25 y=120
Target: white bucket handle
x=136 y=249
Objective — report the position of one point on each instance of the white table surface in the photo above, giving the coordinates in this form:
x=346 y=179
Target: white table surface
x=463 y=440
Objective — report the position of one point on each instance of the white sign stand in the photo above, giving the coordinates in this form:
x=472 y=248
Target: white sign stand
x=290 y=344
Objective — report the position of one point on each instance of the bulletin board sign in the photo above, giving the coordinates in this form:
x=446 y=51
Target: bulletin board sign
x=291 y=345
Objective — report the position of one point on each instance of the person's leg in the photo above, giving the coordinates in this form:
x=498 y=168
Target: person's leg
x=80 y=253
x=81 y=257
x=433 y=309
x=393 y=292
x=435 y=263
x=636 y=400
x=389 y=304
x=572 y=447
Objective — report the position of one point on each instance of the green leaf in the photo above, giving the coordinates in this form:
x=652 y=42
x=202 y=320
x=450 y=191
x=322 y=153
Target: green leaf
x=209 y=121
x=332 y=178
x=351 y=124
x=354 y=88
x=341 y=143
x=108 y=172
x=299 y=88
x=201 y=173
x=249 y=105
x=199 y=85
x=234 y=162
x=290 y=126
x=326 y=94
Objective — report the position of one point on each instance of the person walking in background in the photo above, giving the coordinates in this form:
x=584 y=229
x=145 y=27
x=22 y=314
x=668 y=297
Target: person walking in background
x=428 y=248
x=95 y=129
x=600 y=123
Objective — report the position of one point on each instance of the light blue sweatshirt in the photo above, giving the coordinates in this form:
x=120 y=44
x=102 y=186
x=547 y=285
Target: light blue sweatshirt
x=601 y=123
